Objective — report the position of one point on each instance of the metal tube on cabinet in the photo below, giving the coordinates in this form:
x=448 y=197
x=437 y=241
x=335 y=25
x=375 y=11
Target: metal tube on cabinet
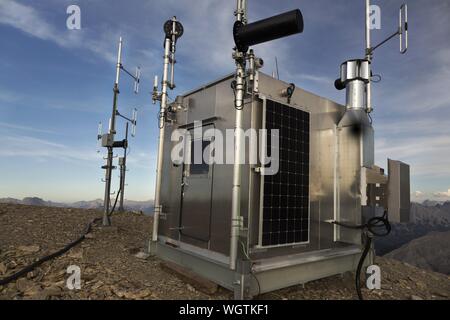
x=265 y=30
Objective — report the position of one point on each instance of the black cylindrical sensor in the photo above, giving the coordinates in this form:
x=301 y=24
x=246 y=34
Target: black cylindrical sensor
x=276 y=27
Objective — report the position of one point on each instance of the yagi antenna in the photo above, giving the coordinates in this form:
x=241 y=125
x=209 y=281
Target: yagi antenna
x=276 y=68
x=402 y=32
x=403 y=27
x=99 y=136
x=134 y=122
x=100 y=131
x=136 y=77
x=137 y=80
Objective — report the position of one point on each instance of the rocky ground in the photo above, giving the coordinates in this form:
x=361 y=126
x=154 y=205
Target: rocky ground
x=112 y=269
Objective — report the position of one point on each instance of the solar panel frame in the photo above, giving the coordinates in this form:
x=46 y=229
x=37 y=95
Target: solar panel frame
x=265 y=145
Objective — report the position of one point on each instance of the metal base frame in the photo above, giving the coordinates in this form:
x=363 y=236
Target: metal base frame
x=262 y=276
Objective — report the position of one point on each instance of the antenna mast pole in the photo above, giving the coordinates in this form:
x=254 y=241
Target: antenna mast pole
x=112 y=131
x=107 y=140
x=240 y=59
x=123 y=170
x=368 y=58
x=173 y=30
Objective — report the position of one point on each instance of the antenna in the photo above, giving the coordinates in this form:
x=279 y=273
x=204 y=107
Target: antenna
x=173 y=30
x=99 y=136
x=134 y=122
x=155 y=93
x=403 y=27
x=100 y=130
x=123 y=160
x=276 y=68
x=402 y=32
x=137 y=80
x=108 y=139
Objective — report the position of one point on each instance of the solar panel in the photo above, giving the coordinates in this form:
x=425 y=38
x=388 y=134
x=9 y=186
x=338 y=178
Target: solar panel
x=285 y=207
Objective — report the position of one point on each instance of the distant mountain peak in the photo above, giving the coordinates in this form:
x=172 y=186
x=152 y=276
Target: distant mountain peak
x=144 y=206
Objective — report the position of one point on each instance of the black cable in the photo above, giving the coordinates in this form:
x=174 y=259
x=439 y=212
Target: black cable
x=257 y=281
x=376 y=76
x=372 y=225
x=370 y=118
x=54 y=255
x=360 y=265
x=115 y=204
x=370 y=229
x=290 y=92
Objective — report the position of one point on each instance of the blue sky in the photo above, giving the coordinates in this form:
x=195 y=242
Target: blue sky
x=56 y=84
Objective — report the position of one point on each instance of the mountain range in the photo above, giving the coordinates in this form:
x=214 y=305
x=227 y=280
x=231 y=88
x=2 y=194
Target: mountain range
x=424 y=241
x=431 y=252
x=144 y=206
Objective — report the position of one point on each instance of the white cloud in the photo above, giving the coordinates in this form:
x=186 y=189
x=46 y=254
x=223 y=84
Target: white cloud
x=445 y=194
x=418 y=194
x=40 y=149
x=28 y=20
x=8 y=97
x=428 y=156
x=24 y=128
x=34 y=23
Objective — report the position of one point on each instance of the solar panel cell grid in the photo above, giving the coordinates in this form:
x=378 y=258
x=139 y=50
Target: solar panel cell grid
x=286 y=194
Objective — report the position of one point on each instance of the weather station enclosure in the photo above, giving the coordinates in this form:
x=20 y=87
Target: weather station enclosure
x=288 y=232
x=284 y=234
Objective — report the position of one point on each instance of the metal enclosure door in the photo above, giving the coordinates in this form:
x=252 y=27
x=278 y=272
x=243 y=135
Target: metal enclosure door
x=196 y=198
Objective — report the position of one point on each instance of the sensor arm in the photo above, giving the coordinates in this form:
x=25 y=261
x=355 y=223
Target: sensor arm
x=128 y=119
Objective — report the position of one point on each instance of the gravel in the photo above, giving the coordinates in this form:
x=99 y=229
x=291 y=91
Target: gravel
x=114 y=265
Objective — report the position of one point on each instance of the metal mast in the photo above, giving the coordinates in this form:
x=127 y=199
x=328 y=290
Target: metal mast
x=246 y=35
x=368 y=58
x=173 y=30
x=123 y=170
x=239 y=57
x=108 y=138
x=112 y=131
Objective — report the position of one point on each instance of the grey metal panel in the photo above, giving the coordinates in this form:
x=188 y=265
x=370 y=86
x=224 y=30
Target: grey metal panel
x=355 y=136
x=268 y=275
x=195 y=221
x=223 y=174
x=171 y=185
x=349 y=184
x=202 y=104
x=399 y=202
